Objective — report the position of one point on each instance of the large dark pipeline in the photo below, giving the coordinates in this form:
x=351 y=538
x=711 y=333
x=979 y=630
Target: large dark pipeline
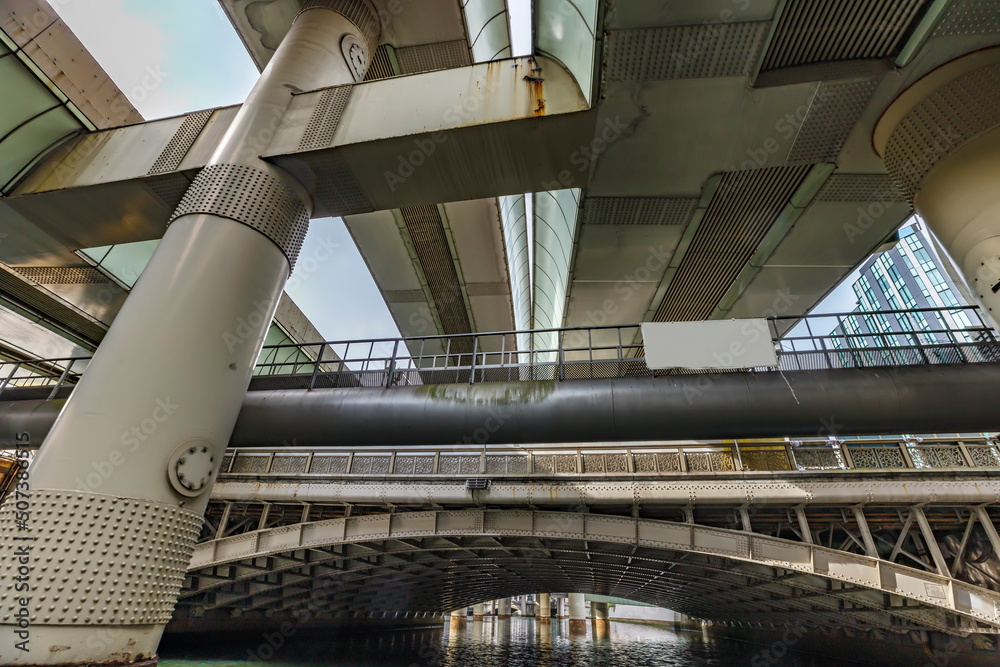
x=910 y=399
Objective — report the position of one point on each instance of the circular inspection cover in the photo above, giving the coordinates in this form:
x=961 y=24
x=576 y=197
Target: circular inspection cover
x=191 y=467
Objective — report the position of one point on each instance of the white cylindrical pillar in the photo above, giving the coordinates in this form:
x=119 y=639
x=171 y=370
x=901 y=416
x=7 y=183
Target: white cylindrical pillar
x=940 y=140
x=120 y=483
x=478 y=611
x=503 y=608
x=577 y=613
x=544 y=608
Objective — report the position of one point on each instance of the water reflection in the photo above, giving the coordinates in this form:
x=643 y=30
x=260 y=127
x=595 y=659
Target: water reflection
x=517 y=642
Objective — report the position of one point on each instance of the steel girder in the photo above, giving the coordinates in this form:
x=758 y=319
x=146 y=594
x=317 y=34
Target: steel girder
x=429 y=561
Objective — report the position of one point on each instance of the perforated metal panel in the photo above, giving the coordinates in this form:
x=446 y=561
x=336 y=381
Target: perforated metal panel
x=742 y=211
x=13 y=286
x=427 y=57
x=335 y=190
x=487 y=289
x=404 y=296
x=814 y=32
x=325 y=118
x=62 y=275
x=683 y=52
x=834 y=112
x=169 y=188
x=181 y=142
x=637 y=211
x=252 y=197
x=358 y=12
x=970 y=17
x=947 y=119
x=427 y=234
x=861 y=187
x=124 y=570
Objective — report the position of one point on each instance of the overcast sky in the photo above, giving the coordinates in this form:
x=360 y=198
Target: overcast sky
x=198 y=62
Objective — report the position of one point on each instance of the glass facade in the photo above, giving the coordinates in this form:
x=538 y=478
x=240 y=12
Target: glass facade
x=909 y=277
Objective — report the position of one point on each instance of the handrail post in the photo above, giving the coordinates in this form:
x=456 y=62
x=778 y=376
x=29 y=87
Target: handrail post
x=319 y=360
x=826 y=354
x=590 y=350
x=62 y=378
x=920 y=346
x=392 y=365
x=561 y=356
x=10 y=376
x=472 y=366
x=953 y=338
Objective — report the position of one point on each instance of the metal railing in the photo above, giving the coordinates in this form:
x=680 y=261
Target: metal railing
x=47 y=376
x=937 y=343
x=642 y=459
x=611 y=351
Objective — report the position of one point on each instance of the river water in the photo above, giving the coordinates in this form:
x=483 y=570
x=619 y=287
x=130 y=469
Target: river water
x=518 y=642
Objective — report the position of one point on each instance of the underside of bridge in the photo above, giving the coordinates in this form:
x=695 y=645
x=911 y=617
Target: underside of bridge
x=407 y=562
x=671 y=162
x=869 y=534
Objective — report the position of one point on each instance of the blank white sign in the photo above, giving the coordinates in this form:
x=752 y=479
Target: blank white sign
x=708 y=344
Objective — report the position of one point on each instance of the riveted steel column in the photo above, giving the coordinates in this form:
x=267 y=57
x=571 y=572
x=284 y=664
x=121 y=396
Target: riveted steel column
x=123 y=477
x=577 y=614
x=940 y=140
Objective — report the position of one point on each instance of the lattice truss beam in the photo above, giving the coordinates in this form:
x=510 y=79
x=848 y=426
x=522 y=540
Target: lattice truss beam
x=885 y=568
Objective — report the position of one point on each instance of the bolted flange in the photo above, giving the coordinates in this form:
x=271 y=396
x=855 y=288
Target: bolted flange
x=191 y=468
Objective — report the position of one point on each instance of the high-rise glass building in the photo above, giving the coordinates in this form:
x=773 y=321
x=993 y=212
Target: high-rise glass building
x=913 y=277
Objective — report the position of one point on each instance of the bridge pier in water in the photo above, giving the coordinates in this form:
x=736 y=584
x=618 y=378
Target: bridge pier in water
x=544 y=608
x=577 y=614
x=599 y=614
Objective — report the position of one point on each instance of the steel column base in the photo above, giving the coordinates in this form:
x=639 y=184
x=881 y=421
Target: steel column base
x=577 y=626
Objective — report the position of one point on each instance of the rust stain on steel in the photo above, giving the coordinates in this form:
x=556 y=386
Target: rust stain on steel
x=536 y=89
x=117 y=660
